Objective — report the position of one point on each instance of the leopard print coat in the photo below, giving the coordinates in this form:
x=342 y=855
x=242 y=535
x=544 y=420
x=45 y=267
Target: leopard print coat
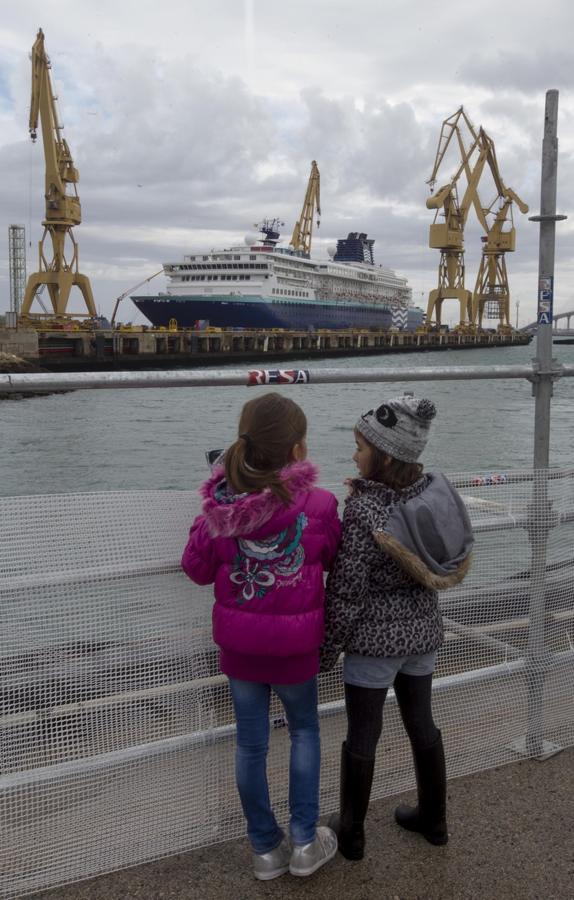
x=373 y=607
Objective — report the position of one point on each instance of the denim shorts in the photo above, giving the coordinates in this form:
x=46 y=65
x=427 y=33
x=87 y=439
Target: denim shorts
x=380 y=672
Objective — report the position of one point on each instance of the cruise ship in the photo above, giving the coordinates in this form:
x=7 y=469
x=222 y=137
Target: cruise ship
x=262 y=285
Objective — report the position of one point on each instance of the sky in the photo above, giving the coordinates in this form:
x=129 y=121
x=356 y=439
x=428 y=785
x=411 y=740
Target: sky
x=189 y=122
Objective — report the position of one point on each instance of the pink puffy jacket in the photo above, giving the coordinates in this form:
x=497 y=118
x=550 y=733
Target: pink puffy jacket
x=267 y=562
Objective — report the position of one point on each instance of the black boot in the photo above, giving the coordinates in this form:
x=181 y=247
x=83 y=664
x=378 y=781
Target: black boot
x=356 y=781
x=429 y=817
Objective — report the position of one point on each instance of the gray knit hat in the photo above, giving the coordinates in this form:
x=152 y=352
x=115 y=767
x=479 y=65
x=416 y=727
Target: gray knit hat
x=400 y=427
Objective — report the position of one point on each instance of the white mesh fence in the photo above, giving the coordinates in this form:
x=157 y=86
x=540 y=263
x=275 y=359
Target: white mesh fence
x=116 y=729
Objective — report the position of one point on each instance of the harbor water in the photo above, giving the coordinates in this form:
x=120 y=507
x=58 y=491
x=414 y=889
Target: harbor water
x=157 y=438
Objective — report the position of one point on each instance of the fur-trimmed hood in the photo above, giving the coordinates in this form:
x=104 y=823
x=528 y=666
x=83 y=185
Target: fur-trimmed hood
x=229 y=514
x=430 y=534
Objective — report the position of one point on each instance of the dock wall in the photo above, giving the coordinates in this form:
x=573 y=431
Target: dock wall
x=19 y=342
x=75 y=350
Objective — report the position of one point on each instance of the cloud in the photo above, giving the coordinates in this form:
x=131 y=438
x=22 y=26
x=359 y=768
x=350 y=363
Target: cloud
x=520 y=70
x=190 y=123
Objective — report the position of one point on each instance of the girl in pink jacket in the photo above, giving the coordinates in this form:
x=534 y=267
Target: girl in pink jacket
x=264 y=538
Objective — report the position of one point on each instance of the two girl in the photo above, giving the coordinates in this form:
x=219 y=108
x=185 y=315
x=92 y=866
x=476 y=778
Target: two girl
x=265 y=536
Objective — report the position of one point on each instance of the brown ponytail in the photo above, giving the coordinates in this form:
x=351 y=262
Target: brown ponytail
x=269 y=428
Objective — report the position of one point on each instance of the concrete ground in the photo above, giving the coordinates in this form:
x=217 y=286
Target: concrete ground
x=511 y=838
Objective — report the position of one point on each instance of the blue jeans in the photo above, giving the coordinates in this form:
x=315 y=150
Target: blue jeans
x=251 y=704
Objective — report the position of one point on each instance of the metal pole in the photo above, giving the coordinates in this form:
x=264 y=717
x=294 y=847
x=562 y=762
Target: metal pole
x=542 y=390
x=547 y=219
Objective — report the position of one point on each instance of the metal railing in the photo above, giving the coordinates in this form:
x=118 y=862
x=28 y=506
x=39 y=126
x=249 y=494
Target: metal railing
x=85 y=381
x=99 y=713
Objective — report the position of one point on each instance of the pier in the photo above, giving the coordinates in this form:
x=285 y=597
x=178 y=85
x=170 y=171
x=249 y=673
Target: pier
x=508 y=829
x=72 y=349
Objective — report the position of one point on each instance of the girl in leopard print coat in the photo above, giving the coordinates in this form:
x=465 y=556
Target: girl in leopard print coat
x=406 y=535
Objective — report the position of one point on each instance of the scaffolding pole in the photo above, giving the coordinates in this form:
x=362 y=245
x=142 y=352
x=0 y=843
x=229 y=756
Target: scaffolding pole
x=537 y=663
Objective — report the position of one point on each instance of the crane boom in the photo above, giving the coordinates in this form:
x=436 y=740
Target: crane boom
x=491 y=291
x=63 y=210
x=451 y=127
x=129 y=290
x=473 y=159
x=60 y=168
x=448 y=235
x=301 y=238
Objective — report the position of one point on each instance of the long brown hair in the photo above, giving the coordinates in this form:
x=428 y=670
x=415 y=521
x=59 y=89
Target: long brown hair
x=269 y=428
x=395 y=474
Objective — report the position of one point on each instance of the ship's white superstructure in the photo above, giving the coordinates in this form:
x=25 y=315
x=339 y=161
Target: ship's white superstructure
x=261 y=285
x=281 y=273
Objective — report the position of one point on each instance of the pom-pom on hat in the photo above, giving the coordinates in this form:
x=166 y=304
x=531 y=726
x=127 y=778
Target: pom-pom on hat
x=400 y=427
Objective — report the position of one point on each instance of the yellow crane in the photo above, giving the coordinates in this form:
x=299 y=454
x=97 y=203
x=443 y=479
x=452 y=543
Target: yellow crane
x=491 y=292
x=448 y=235
x=301 y=238
x=62 y=209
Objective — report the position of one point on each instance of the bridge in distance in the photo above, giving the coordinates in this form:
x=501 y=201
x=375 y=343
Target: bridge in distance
x=561 y=333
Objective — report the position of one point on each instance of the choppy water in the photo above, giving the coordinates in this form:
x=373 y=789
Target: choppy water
x=156 y=438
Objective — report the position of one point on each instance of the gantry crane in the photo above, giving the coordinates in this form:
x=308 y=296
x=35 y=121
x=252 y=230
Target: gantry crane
x=448 y=236
x=62 y=209
x=491 y=287
x=301 y=239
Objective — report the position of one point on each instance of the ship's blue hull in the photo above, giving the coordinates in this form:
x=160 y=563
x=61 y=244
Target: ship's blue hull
x=263 y=312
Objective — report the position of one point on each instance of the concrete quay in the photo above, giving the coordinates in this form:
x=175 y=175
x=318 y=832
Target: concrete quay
x=72 y=349
x=510 y=839
x=19 y=342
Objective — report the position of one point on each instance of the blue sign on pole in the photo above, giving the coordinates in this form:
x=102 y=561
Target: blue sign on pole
x=545 y=299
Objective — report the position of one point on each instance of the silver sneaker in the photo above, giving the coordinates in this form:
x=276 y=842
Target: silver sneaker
x=307 y=858
x=274 y=863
